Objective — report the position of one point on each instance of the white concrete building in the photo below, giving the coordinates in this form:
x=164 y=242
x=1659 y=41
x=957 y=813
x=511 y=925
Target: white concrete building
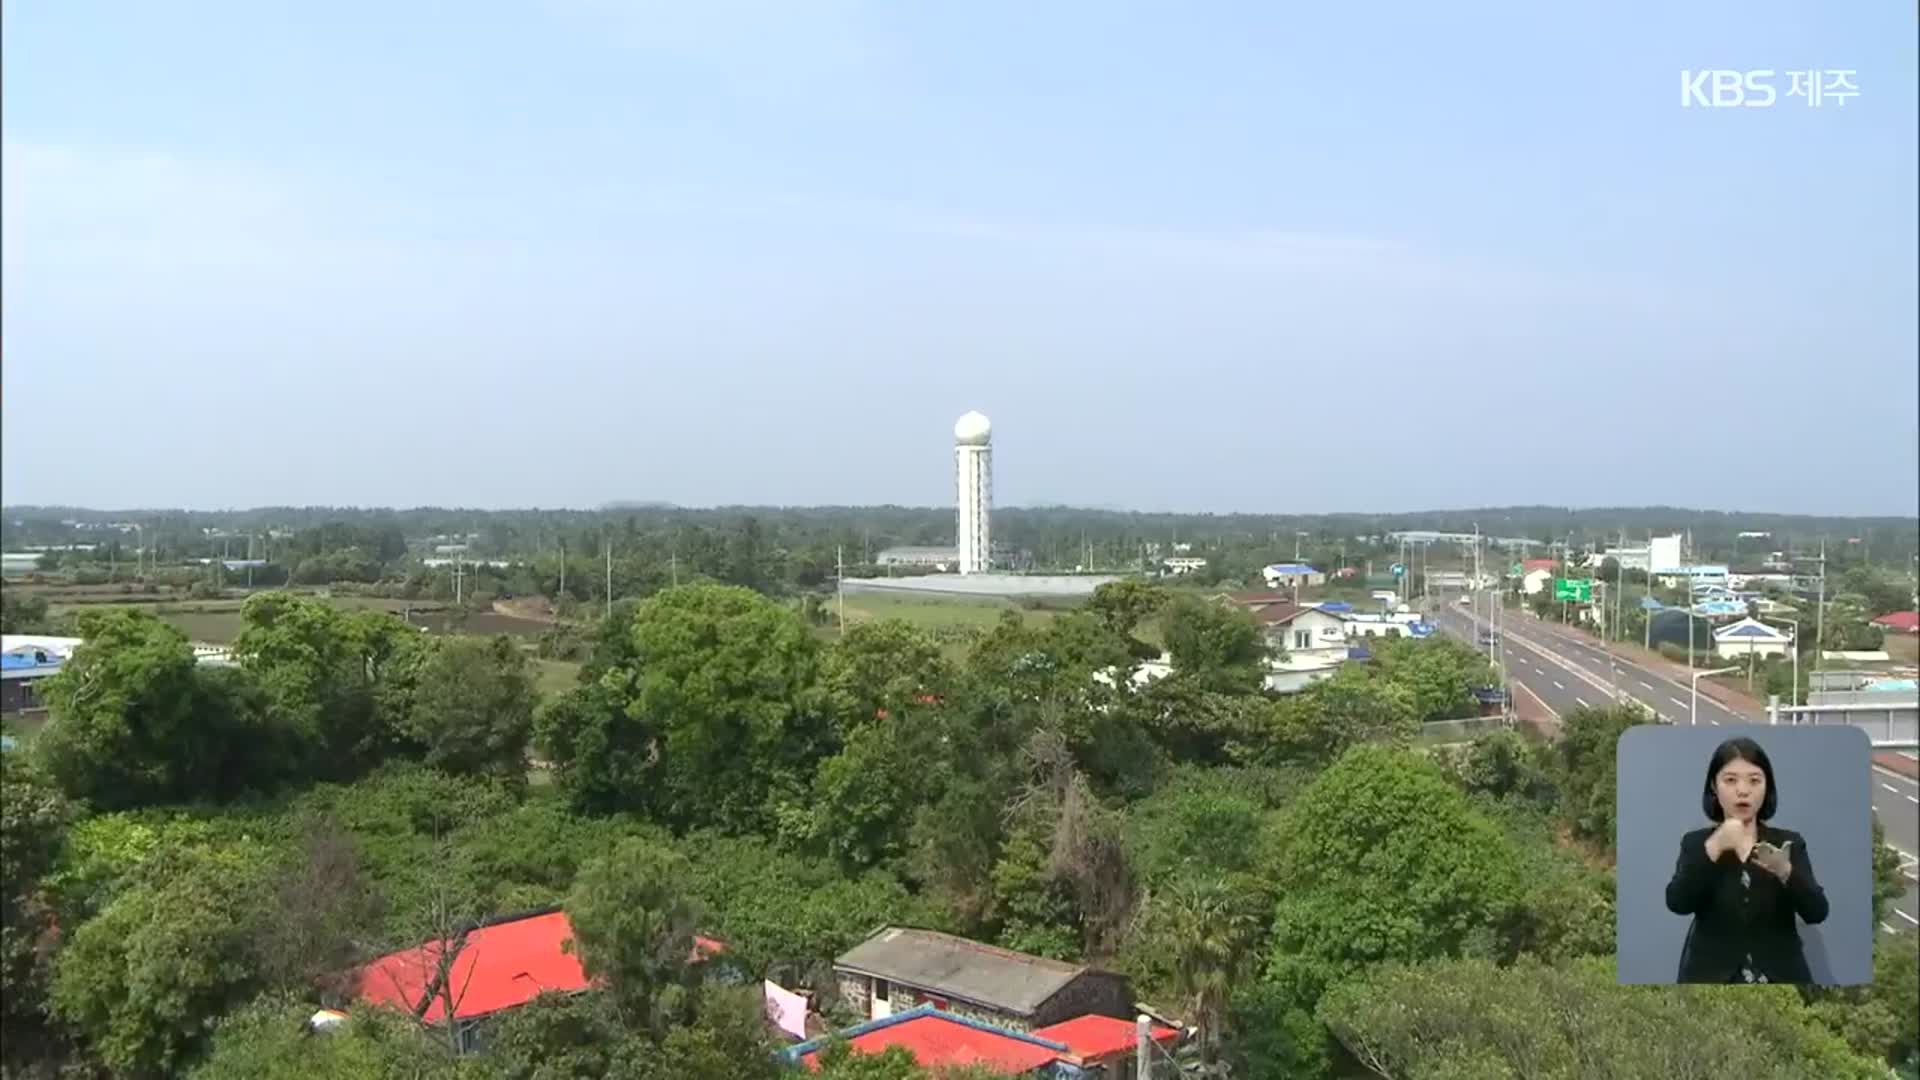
x=1664 y=554
x=973 y=467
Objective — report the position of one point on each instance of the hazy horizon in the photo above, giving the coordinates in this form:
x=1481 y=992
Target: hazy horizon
x=744 y=252
x=623 y=506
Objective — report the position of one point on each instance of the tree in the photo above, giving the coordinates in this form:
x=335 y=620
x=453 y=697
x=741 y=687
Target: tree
x=1201 y=930
x=321 y=909
x=1586 y=770
x=1354 y=706
x=1439 y=673
x=144 y=980
x=864 y=796
x=882 y=667
x=561 y=1037
x=718 y=712
x=1121 y=606
x=1219 y=645
x=1878 y=1020
x=1197 y=822
x=1381 y=858
x=786 y=916
x=138 y=723
x=469 y=708
x=633 y=925
x=326 y=675
x=1502 y=764
x=22 y=614
x=33 y=822
x=1888 y=880
x=1466 y=1019
x=268 y=1040
x=602 y=755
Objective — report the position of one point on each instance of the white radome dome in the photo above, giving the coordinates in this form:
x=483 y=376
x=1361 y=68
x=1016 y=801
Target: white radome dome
x=972 y=430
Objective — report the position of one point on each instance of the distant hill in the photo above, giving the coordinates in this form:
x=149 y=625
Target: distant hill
x=637 y=504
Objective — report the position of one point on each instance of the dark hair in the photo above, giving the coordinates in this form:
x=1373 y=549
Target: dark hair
x=1742 y=749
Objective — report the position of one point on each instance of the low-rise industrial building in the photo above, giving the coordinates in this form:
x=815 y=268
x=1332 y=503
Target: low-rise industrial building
x=940 y=558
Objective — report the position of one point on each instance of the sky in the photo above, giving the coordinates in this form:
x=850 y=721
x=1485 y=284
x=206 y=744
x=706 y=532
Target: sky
x=1195 y=256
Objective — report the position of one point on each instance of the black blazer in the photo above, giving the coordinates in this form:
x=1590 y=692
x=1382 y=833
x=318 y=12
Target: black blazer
x=1730 y=922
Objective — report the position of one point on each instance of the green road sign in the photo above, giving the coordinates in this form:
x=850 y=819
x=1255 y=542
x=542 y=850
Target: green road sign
x=1579 y=590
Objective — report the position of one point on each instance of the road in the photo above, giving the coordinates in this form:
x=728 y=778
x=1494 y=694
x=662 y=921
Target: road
x=1566 y=671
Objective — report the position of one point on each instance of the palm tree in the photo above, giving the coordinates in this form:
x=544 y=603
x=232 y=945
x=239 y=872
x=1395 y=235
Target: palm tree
x=1205 y=930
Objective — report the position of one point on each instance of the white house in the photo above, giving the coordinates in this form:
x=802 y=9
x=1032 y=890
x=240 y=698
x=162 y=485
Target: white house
x=1183 y=564
x=1751 y=636
x=1305 y=632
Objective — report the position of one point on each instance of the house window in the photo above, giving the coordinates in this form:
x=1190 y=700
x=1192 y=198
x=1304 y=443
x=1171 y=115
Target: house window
x=1303 y=639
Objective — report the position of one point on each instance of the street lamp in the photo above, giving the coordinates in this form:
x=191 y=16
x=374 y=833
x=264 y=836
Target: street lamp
x=1693 y=705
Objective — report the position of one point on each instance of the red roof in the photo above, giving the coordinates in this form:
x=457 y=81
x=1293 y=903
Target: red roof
x=1093 y=1037
x=1900 y=620
x=937 y=1041
x=503 y=965
x=1531 y=565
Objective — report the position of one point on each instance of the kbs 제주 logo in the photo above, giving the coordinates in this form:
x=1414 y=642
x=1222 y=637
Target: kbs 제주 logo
x=1725 y=88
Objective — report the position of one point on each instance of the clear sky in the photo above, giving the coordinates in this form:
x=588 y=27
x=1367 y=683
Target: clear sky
x=1263 y=256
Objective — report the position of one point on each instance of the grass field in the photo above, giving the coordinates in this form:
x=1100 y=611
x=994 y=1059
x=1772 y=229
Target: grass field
x=933 y=613
x=554 y=677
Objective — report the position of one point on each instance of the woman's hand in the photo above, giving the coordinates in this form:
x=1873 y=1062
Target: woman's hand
x=1777 y=861
x=1732 y=835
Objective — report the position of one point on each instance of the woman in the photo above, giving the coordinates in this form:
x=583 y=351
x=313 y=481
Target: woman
x=1743 y=880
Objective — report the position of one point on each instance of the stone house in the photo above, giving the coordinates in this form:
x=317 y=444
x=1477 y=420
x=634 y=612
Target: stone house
x=897 y=969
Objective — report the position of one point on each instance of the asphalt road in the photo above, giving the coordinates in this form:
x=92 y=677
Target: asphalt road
x=1565 y=671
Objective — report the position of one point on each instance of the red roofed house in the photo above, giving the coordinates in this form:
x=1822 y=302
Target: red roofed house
x=1099 y=1046
x=504 y=964
x=1905 y=622
x=1536 y=574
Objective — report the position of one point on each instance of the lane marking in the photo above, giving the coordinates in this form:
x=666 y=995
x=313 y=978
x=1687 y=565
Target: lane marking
x=1889 y=787
x=1888 y=929
x=1907 y=917
x=1557 y=686
x=1910 y=799
x=1678 y=702
x=1583 y=704
x=1646 y=684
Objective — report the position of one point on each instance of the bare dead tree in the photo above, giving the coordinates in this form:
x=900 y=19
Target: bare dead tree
x=322 y=911
x=1085 y=852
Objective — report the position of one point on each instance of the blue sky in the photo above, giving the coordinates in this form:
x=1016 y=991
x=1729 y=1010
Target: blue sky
x=1201 y=256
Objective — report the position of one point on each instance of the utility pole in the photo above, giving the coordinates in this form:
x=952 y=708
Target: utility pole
x=840 y=587
x=563 y=572
x=1820 y=614
x=1647 y=610
x=609 y=577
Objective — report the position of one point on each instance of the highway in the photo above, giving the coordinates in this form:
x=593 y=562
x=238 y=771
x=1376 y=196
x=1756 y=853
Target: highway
x=1565 y=671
